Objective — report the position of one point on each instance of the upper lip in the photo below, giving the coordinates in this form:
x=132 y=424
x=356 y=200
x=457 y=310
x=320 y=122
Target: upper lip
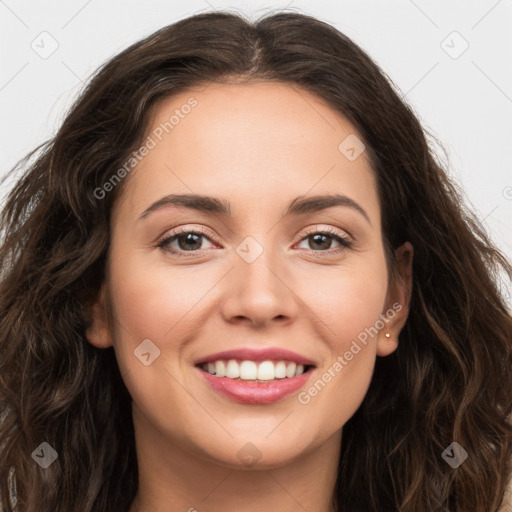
x=253 y=354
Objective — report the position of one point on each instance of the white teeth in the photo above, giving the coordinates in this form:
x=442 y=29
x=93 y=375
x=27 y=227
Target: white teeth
x=290 y=370
x=232 y=369
x=280 y=370
x=251 y=370
x=266 y=371
x=248 y=370
x=220 y=368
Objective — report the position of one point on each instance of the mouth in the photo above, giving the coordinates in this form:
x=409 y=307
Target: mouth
x=254 y=371
x=255 y=376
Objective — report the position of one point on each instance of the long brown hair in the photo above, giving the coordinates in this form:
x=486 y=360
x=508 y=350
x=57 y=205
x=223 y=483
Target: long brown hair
x=450 y=380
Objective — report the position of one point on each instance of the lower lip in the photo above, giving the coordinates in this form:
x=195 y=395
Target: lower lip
x=249 y=392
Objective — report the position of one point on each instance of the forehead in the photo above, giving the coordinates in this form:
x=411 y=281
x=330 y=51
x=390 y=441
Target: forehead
x=257 y=144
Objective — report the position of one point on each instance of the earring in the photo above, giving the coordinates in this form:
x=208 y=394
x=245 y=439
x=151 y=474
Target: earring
x=388 y=336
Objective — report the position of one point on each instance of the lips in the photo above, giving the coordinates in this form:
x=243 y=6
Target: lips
x=254 y=392
x=251 y=390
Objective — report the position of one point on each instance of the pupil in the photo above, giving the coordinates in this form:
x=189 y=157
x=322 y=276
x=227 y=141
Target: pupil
x=315 y=239
x=189 y=239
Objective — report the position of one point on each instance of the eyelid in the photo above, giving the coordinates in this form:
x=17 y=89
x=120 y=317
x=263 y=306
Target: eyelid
x=317 y=228
x=186 y=229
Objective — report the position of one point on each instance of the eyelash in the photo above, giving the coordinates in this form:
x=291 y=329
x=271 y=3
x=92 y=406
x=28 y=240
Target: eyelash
x=345 y=242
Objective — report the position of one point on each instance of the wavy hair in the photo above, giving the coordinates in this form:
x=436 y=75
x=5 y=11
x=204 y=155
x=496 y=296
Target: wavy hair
x=449 y=380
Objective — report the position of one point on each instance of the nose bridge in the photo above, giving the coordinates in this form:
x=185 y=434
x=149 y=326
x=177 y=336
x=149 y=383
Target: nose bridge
x=257 y=263
x=258 y=289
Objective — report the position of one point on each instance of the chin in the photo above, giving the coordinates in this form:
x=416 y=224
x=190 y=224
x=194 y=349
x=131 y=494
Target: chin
x=257 y=452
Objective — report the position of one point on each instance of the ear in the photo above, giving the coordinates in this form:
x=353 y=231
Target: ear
x=98 y=334
x=398 y=298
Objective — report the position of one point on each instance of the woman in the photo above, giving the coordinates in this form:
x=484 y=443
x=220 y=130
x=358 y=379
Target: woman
x=254 y=369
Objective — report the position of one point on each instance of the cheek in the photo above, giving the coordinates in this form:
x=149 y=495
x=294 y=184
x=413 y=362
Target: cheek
x=359 y=306
x=149 y=303
x=345 y=301
x=348 y=305
x=152 y=298
x=160 y=304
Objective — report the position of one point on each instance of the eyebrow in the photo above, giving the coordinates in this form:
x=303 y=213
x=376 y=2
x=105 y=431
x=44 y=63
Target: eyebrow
x=299 y=206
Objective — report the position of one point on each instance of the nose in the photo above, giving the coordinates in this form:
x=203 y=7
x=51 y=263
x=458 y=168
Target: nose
x=259 y=292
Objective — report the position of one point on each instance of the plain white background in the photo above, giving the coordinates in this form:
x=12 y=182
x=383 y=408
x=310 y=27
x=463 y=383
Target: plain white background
x=452 y=61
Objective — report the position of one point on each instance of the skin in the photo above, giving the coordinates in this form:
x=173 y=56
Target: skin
x=258 y=146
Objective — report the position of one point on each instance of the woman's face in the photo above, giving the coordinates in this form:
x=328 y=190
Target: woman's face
x=255 y=277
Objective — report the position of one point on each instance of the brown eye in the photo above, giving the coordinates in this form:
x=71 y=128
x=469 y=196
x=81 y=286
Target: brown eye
x=188 y=241
x=321 y=241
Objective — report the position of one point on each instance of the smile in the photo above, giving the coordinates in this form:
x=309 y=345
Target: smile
x=254 y=371
x=255 y=376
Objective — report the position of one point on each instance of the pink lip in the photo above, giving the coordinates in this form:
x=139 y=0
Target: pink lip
x=251 y=392
x=267 y=354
